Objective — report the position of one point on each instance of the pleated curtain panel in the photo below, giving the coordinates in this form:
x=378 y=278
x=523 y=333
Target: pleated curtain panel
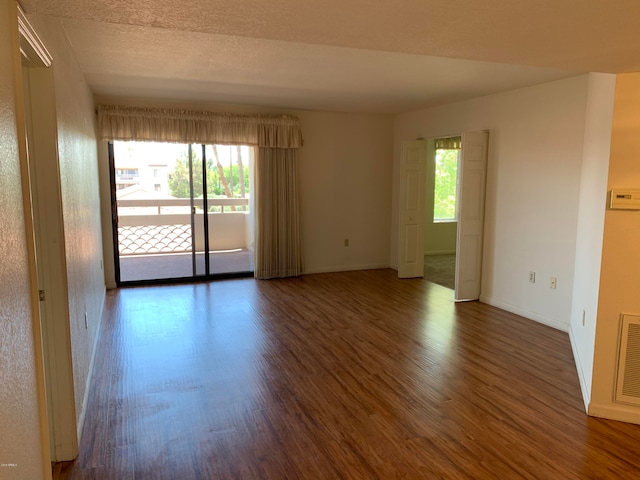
x=278 y=245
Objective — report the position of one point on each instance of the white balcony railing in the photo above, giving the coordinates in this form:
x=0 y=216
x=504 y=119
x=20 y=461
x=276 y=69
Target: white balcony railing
x=164 y=225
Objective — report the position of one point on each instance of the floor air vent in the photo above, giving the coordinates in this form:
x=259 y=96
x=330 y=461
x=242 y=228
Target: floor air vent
x=628 y=382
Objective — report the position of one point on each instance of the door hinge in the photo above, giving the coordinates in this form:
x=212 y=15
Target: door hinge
x=41 y=295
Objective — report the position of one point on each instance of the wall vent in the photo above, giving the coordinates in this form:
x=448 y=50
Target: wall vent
x=628 y=379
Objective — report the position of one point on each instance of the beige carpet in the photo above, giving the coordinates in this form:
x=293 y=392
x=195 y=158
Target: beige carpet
x=440 y=269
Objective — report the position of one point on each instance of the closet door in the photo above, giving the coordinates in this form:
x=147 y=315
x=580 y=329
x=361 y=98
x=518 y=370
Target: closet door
x=471 y=195
x=412 y=209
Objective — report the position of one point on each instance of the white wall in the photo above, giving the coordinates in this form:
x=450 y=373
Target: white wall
x=620 y=275
x=440 y=238
x=226 y=231
x=345 y=188
x=21 y=420
x=593 y=197
x=80 y=201
x=533 y=184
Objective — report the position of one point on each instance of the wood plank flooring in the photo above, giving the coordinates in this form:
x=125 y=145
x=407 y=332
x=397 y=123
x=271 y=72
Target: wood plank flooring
x=355 y=375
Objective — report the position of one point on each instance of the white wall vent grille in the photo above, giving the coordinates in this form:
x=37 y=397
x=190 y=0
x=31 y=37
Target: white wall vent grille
x=628 y=380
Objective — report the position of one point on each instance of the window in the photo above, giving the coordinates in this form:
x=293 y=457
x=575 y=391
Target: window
x=444 y=194
x=157 y=187
x=156 y=172
x=131 y=172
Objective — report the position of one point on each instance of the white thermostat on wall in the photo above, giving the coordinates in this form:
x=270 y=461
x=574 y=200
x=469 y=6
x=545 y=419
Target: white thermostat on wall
x=625 y=199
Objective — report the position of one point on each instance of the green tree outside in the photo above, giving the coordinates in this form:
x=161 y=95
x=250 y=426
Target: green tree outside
x=444 y=195
x=178 y=180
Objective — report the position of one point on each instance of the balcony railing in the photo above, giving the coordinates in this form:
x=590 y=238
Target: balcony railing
x=164 y=225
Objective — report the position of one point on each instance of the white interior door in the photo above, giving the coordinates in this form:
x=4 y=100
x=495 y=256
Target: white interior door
x=472 y=174
x=412 y=209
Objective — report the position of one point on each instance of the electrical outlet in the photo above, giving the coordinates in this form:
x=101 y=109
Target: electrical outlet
x=532 y=277
x=553 y=282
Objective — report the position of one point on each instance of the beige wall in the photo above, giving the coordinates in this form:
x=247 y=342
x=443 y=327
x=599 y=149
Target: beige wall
x=80 y=201
x=345 y=188
x=593 y=195
x=620 y=275
x=440 y=238
x=21 y=423
x=533 y=185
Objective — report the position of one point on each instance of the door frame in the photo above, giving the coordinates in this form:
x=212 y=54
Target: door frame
x=45 y=232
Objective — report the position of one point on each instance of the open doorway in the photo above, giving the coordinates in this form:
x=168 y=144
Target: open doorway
x=443 y=160
x=414 y=212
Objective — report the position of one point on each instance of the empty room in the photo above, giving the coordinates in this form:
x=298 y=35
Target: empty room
x=270 y=240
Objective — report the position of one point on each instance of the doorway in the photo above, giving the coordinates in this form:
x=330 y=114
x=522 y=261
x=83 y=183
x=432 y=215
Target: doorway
x=469 y=207
x=45 y=199
x=181 y=211
x=441 y=223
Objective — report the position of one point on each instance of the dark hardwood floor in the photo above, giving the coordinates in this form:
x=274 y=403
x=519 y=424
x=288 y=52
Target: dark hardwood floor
x=355 y=375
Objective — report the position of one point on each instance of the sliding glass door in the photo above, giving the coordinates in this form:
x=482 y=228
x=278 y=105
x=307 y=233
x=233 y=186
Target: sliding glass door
x=181 y=211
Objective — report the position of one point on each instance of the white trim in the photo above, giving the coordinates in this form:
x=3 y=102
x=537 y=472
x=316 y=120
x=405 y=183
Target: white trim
x=343 y=268
x=615 y=411
x=445 y=220
x=551 y=322
x=586 y=394
x=31 y=47
x=85 y=400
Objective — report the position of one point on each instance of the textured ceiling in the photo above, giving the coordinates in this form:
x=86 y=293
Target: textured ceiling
x=349 y=55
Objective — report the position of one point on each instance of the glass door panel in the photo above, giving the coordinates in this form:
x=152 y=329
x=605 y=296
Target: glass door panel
x=153 y=223
x=228 y=190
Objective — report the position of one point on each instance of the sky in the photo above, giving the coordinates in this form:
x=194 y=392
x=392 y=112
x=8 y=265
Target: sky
x=132 y=154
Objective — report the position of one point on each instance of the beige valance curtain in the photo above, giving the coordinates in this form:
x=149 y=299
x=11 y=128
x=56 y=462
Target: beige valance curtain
x=448 y=143
x=188 y=126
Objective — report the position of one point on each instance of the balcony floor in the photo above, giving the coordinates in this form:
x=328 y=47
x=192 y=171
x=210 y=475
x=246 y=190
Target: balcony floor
x=178 y=265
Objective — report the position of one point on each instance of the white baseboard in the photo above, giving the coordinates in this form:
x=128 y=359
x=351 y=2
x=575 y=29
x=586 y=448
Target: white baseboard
x=85 y=400
x=551 y=322
x=586 y=394
x=345 y=268
x=440 y=252
x=615 y=411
